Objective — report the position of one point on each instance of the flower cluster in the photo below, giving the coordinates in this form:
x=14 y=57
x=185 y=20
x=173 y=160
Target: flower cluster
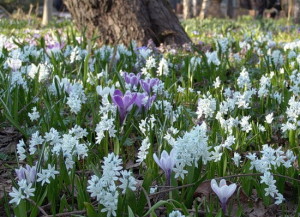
x=105 y=188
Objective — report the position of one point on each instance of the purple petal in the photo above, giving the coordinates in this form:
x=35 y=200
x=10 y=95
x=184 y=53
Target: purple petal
x=118 y=93
x=118 y=101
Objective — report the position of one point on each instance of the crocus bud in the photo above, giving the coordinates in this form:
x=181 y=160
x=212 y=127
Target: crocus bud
x=223 y=191
x=149 y=83
x=28 y=174
x=132 y=79
x=123 y=102
x=166 y=163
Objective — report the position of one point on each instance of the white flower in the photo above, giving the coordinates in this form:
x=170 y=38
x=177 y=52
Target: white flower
x=143 y=150
x=128 y=181
x=33 y=70
x=26 y=187
x=212 y=57
x=34 y=115
x=78 y=132
x=246 y=126
x=14 y=64
x=153 y=190
x=17 y=196
x=44 y=72
x=269 y=118
x=288 y=126
x=53 y=137
x=244 y=80
x=277 y=58
x=150 y=63
x=217 y=82
x=163 y=68
x=35 y=140
x=180 y=89
x=206 y=106
x=216 y=154
x=105 y=91
x=24 y=191
x=279 y=199
x=236 y=159
x=21 y=150
x=111 y=167
x=228 y=142
x=47 y=174
x=176 y=214
x=190 y=148
x=179 y=171
x=261 y=128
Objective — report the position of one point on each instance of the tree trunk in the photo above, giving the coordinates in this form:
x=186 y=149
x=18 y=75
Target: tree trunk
x=230 y=9
x=196 y=7
x=296 y=11
x=121 y=21
x=187 y=9
x=47 y=12
x=211 y=8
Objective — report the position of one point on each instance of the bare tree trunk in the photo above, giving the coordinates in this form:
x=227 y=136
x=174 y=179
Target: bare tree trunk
x=47 y=13
x=121 y=21
x=196 y=7
x=211 y=8
x=296 y=11
x=230 y=9
x=187 y=9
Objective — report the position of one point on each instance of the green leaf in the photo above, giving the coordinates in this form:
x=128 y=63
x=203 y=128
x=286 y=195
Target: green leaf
x=157 y=205
x=91 y=212
x=130 y=213
x=35 y=210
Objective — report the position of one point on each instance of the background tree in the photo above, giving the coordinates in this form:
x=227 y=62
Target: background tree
x=187 y=9
x=47 y=12
x=120 y=21
x=211 y=8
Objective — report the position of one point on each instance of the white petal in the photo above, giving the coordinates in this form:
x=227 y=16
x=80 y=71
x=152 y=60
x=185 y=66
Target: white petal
x=231 y=189
x=215 y=187
x=156 y=160
x=164 y=154
x=222 y=182
x=164 y=164
x=173 y=153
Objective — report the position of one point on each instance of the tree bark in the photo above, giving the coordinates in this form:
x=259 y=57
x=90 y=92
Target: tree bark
x=47 y=12
x=211 y=8
x=196 y=7
x=121 y=21
x=187 y=9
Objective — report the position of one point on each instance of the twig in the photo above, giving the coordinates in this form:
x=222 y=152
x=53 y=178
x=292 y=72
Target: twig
x=40 y=208
x=218 y=178
x=5 y=11
x=201 y=212
x=67 y=213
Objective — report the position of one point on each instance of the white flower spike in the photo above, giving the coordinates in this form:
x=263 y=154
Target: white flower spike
x=223 y=191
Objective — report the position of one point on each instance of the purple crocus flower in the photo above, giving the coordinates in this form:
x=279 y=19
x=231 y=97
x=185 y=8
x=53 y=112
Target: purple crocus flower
x=223 y=191
x=123 y=102
x=29 y=173
x=149 y=83
x=143 y=100
x=166 y=163
x=132 y=79
x=54 y=47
